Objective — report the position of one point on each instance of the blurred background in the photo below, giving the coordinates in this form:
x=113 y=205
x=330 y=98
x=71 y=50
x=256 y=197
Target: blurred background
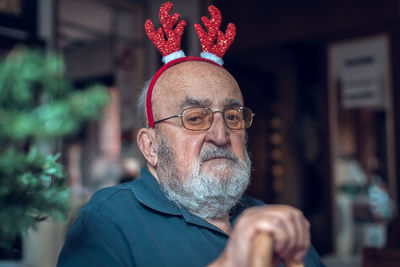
x=321 y=76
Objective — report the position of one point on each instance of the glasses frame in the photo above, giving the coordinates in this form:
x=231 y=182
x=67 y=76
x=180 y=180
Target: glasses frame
x=212 y=117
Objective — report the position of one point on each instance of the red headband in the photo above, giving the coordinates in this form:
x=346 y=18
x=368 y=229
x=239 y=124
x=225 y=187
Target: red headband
x=214 y=43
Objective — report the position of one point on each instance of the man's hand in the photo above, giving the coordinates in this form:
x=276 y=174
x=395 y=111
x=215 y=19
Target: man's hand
x=287 y=226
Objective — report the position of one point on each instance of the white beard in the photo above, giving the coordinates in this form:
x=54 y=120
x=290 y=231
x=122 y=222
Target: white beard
x=209 y=196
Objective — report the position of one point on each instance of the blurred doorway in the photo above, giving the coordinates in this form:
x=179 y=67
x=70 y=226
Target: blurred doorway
x=362 y=142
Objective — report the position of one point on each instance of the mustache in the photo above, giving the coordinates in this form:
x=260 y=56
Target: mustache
x=210 y=152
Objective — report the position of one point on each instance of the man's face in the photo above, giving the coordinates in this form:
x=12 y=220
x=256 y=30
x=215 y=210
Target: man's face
x=204 y=171
x=193 y=84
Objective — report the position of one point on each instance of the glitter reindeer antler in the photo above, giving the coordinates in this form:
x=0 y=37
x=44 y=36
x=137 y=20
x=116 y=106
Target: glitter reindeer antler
x=214 y=41
x=214 y=44
x=173 y=43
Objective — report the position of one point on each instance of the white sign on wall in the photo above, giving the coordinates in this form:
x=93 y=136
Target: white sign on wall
x=362 y=71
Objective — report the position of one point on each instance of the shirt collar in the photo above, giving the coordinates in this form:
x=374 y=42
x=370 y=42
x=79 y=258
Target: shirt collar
x=148 y=192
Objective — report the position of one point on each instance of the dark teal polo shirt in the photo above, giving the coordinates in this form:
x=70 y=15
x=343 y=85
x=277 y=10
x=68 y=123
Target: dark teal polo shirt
x=134 y=224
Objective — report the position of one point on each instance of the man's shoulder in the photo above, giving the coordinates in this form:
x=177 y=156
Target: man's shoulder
x=109 y=199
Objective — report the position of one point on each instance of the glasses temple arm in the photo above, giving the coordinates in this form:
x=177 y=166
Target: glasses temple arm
x=175 y=116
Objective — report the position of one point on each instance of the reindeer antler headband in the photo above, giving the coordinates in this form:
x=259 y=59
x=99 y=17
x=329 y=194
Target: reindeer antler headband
x=214 y=43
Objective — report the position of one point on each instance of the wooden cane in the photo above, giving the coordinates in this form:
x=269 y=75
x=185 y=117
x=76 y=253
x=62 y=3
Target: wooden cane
x=262 y=252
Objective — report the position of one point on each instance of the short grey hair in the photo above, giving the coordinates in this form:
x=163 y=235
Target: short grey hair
x=141 y=105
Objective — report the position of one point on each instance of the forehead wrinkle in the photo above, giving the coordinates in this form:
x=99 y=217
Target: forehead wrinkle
x=168 y=81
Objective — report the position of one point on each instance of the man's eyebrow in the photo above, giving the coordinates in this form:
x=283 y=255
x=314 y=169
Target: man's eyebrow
x=232 y=102
x=195 y=102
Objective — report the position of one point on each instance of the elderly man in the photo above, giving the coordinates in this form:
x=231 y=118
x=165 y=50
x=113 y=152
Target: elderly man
x=188 y=207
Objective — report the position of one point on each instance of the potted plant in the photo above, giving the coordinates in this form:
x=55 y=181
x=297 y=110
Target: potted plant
x=37 y=103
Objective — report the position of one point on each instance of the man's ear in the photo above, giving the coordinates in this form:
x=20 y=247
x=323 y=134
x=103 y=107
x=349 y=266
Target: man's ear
x=146 y=143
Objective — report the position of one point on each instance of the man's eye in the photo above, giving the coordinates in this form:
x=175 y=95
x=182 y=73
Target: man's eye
x=195 y=118
x=232 y=117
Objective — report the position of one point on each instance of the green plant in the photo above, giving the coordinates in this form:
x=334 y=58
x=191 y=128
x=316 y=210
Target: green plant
x=36 y=102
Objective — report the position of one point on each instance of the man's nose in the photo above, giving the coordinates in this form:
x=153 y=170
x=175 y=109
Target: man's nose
x=218 y=134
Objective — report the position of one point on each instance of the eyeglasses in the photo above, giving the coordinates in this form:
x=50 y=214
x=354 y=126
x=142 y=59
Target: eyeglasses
x=201 y=119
